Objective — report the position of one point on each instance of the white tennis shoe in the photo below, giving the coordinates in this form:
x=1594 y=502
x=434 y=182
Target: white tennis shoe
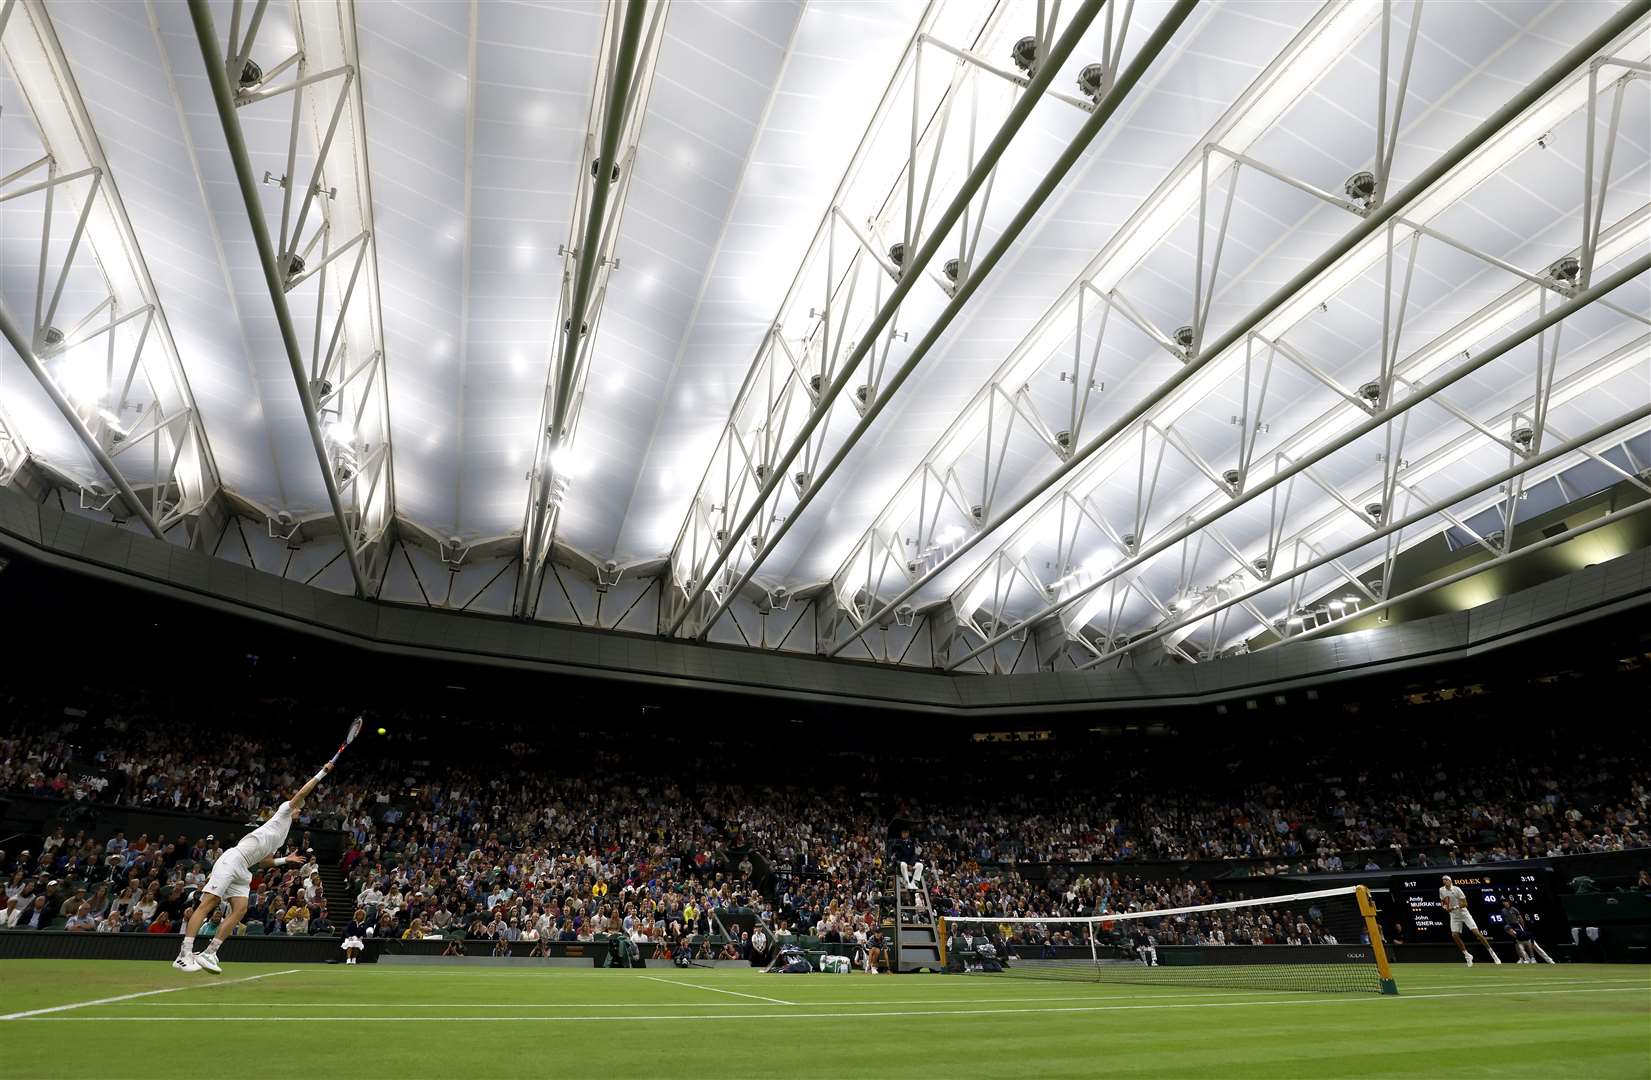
x=186 y=963
x=209 y=962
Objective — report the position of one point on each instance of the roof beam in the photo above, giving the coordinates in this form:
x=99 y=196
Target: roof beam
x=141 y=359
x=1546 y=462
x=25 y=350
x=777 y=375
x=350 y=433
x=1529 y=295
x=624 y=77
x=14 y=451
x=1438 y=185
x=966 y=275
x=1380 y=419
x=1094 y=306
x=1508 y=553
x=1625 y=235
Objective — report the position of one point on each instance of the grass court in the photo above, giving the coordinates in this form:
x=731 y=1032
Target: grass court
x=137 y=1019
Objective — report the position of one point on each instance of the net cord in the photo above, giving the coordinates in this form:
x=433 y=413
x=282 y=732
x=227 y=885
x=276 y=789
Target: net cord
x=1123 y=916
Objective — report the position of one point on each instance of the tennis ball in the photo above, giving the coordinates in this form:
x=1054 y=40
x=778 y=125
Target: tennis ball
x=381 y=731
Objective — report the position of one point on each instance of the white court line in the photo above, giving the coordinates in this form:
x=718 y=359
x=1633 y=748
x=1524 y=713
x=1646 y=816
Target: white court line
x=1292 y=1001
x=643 y=1004
x=1207 y=992
x=716 y=990
x=140 y=994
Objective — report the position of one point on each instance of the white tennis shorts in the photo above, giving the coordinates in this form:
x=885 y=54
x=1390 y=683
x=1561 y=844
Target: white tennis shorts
x=230 y=876
x=353 y=943
x=1462 y=920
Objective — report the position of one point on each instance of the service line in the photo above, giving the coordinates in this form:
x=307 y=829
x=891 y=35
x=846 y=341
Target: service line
x=717 y=990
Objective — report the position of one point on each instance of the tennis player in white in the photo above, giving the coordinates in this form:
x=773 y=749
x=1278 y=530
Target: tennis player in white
x=1455 y=903
x=231 y=878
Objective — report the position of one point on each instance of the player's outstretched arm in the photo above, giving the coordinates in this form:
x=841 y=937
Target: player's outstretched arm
x=277 y=861
x=309 y=786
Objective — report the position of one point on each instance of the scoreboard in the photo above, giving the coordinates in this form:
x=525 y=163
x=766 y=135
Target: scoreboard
x=1415 y=903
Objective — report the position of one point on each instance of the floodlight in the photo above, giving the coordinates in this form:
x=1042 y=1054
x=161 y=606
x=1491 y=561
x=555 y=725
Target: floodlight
x=1092 y=82
x=1025 y=53
x=1361 y=189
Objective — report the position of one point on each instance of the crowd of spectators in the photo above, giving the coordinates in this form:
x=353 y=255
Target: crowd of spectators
x=540 y=857
x=472 y=828
x=1284 y=923
x=1309 y=803
x=142 y=884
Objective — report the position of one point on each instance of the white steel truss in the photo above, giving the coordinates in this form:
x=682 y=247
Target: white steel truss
x=14 y=452
x=619 y=101
x=322 y=253
x=1138 y=442
x=111 y=367
x=955 y=489
x=1313 y=546
x=1518 y=432
x=874 y=247
x=1282 y=557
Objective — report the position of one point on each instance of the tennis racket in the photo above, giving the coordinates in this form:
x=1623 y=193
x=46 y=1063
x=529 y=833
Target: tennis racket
x=355 y=729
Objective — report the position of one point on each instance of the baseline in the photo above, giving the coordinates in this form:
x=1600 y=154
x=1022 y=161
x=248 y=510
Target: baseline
x=26 y=1014
x=1296 y=1002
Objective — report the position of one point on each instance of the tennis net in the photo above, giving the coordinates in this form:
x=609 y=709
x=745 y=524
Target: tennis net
x=1326 y=940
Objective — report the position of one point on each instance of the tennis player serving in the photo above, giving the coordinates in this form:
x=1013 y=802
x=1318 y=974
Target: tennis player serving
x=231 y=878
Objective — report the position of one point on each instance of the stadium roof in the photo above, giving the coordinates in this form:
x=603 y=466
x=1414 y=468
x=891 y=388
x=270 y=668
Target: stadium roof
x=987 y=336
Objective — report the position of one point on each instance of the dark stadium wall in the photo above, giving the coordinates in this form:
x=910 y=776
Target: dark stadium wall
x=279 y=949
x=237 y=659
x=63 y=945
x=632 y=665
